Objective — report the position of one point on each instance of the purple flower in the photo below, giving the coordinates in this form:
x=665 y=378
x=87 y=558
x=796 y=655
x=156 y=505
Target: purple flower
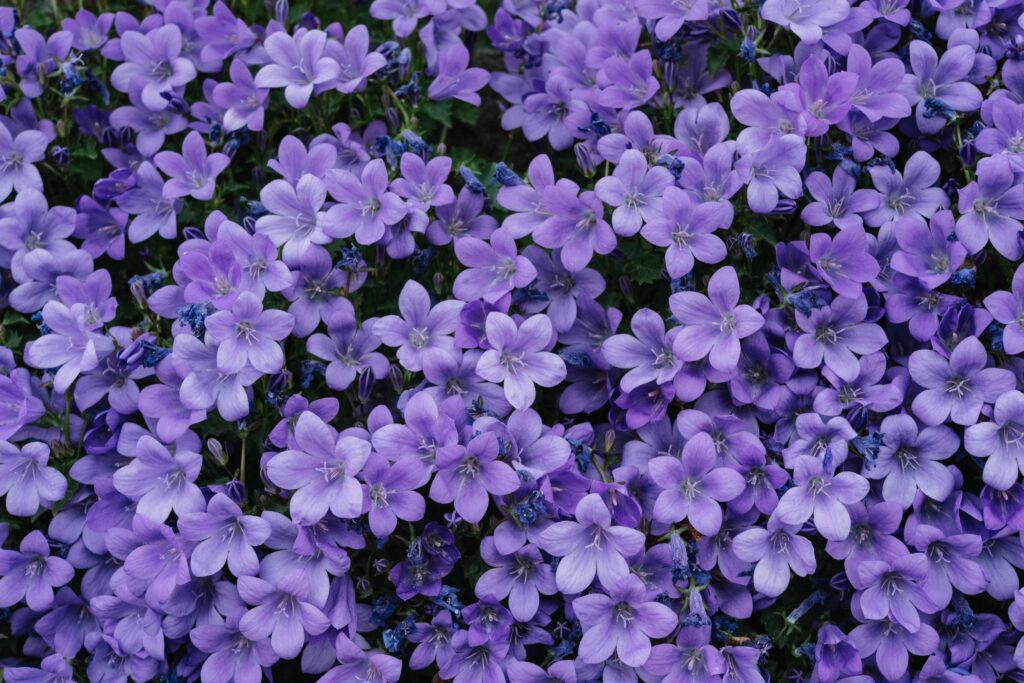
x=837 y=334
x=877 y=93
x=1000 y=440
x=957 y=387
x=647 y=353
x=18 y=154
x=822 y=494
x=349 y=349
x=517 y=358
x=493 y=270
x=71 y=345
x=627 y=83
x=943 y=79
x=622 y=622
x=160 y=481
x=908 y=460
x=34 y=225
x=242 y=101
x=454 y=80
x=295 y=219
x=365 y=206
x=222 y=34
x=404 y=14
x=225 y=535
x=30 y=573
x=575 y=224
x=562 y=287
x=838 y=202
x=692 y=486
x=421 y=327
x=590 y=545
x=232 y=656
x=775 y=552
x=298 y=64
x=321 y=469
x=153 y=212
x=192 y=172
x=991 y=208
x=153 y=65
x=894 y=590
x=821 y=99
x=390 y=490
x=843 y=262
x=635 y=190
x=927 y=251
x=687 y=230
x=207 y=385
x=911 y=193
x=26 y=480
x=714 y=324
x=248 y=334
x=283 y=612
x=469 y=475
x=671 y=16
x=521 y=576
x=355 y=61
x=805 y=18
x=88 y=32
x=773 y=171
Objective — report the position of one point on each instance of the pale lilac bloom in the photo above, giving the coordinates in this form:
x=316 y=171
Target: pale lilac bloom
x=773 y=171
x=225 y=536
x=160 y=481
x=191 y=173
x=389 y=492
x=823 y=495
x=30 y=573
x=822 y=99
x=991 y=209
x=248 y=334
x=492 y=270
x=805 y=18
x=154 y=64
x=27 y=480
x=208 y=385
x=421 y=327
x=927 y=251
x=405 y=14
x=647 y=353
x=590 y=546
x=635 y=190
x=243 y=103
x=71 y=345
x=959 y=386
x=575 y=224
x=153 y=212
x=355 y=61
x=687 y=229
x=562 y=287
x=944 y=79
x=298 y=64
x=692 y=486
x=18 y=154
x=837 y=334
x=909 y=460
x=714 y=324
x=454 y=80
x=1008 y=308
x=467 y=477
x=295 y=219
x=1001 y=441
x=911 y=193
x=894 y=590
x=843 y=261
x=627 y=83
x=775 y=551
x=349 y=349
x=365 y=205
x=321 y=469
x=88 y=31
x=622 y=622
x=837 y=201
x=671 y=16
x=283 y=610
x=517 y=358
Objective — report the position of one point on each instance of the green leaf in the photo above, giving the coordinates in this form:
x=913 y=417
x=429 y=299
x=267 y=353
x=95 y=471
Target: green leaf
x=437 y=111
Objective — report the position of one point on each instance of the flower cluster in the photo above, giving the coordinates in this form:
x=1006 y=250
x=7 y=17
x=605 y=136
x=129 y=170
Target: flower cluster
x=682 y=343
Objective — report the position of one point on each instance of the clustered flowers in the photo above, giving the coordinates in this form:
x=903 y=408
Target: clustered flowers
x=681 y=343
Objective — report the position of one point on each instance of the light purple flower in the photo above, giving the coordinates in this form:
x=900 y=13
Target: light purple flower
x=191 y=173
x=622 y=622
x=958 y=387
x=775 y=551
x=225 y=535
x=160 y=481
x=635 y=190
x=365 y=206
x=295 y=219
x=822 y=494
x=18 y=156
x=153 y=65
x=590 y=545
x=469 y=475
x=1001 y=440
x=492 y=270
x=298 y=64
x=908 y=460
x=714 y=324
x=71 y=345
x=454 y=80
x=991 y=208
x=248 y=334
x=421 y=327
x=686 y=229
x=26 y=479
x=30 y=573
x=692 y=486
x=517 y=358
x=805 y=18
x=321 y=469
x=837 y=201
x=836 y=334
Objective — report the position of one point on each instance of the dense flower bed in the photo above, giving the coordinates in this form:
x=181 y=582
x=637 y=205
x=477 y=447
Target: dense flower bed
x=518 y=341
